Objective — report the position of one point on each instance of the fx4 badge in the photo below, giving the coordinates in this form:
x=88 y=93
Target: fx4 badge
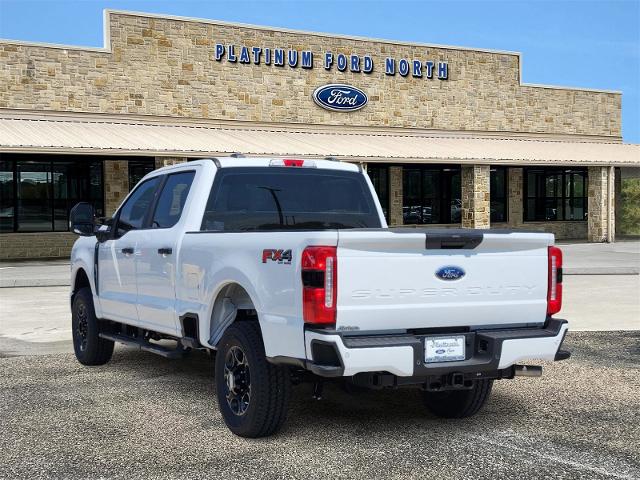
x=279 y=256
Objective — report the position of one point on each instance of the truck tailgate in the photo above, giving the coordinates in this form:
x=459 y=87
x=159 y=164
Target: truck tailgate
x=387 y=279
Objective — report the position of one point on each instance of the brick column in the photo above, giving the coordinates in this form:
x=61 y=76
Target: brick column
x=475 y=196
x=601 y=202
x=116 y=184
x=515 y=189
x=395 y=196
x=166 y=161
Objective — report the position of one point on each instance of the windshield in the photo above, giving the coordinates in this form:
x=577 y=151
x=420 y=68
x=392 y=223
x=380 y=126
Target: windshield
x=289 y=198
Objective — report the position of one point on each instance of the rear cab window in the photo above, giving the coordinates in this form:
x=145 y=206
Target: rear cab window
x=289 y=198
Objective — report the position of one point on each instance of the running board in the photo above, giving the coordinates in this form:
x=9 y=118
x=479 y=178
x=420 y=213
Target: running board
x=143 y=345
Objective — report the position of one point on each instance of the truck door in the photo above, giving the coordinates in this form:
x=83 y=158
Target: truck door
x=116 y=257
x=156 y=262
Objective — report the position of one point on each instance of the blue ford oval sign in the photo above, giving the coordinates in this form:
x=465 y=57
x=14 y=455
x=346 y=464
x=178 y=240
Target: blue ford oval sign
x=450 y=273
x=340 y=98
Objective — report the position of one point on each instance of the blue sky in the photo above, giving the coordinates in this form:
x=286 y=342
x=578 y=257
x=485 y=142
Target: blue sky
x=582 y=43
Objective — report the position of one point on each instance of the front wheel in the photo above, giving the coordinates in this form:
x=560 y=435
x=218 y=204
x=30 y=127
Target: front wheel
x=89 y=348
x=253 y=394
x=459 y=403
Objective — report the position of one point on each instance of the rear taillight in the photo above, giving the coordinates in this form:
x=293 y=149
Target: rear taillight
x=554 y=291
x=319 y=282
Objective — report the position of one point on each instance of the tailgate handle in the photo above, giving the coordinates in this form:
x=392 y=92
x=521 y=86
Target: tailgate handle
x=462 y=241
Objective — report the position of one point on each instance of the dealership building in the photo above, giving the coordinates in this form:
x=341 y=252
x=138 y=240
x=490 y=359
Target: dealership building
x=449 y=136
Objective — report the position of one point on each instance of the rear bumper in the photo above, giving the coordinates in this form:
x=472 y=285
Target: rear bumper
x=403 y=355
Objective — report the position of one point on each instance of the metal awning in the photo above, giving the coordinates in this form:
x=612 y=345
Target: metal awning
x=109 y=136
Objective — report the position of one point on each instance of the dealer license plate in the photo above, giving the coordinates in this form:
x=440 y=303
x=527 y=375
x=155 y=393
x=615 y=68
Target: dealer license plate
x=443 y=349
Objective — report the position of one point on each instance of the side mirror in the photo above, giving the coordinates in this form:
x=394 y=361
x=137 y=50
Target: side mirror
x=81 y=219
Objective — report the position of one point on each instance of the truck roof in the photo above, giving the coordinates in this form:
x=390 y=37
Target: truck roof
x=227 y=162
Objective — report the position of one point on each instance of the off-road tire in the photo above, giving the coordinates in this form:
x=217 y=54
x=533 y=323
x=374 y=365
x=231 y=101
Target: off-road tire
x=270 y=384
x=459 y=403
x=89 y=348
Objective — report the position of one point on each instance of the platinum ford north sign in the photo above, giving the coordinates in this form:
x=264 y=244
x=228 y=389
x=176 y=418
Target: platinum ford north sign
x=340 y=98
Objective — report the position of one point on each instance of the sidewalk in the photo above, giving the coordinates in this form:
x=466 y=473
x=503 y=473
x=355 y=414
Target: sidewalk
x=35 y=273
x=621 y=258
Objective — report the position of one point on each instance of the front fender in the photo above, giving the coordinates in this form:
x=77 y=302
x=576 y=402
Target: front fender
x=82 y=258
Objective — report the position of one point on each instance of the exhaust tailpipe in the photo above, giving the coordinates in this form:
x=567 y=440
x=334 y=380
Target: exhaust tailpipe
x=527 y=370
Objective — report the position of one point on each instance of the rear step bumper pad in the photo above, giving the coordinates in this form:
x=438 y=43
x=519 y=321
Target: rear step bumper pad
x=403 y=355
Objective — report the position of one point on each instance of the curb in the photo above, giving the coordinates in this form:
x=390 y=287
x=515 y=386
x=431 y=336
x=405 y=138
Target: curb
x=22 y=283
x=601 y=271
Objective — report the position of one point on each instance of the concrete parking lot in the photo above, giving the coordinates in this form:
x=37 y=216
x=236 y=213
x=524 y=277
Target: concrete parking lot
x=142 y=416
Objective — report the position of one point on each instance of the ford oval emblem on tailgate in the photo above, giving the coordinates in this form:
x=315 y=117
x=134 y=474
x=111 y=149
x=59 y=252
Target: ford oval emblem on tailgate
x=340 y=98
x=450 y=273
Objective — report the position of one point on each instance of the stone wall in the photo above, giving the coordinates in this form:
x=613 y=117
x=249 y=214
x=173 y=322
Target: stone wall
x=167 y=67
x=19 y=246
x=475 y=196
x=395 y=196
x=167 y=161
x=116 y=184
x=598 y=219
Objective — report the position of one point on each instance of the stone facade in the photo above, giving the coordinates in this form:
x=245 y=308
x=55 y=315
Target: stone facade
x=167 y=161
x=167 y=67
x=475 y=196
x=20 y=246
x=395 y=196
x=116 y=184
x=601 y=216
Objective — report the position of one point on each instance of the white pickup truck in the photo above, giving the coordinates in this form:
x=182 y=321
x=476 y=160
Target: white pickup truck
x=287 y=271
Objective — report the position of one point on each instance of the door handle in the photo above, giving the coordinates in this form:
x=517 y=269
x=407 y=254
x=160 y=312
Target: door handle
x=127 y=251
x=165 y=251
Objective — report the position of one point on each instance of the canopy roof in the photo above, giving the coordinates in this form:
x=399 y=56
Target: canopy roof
x=84 y=134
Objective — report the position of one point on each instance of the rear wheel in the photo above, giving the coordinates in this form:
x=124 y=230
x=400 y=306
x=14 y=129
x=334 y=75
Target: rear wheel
x=459 y=403
x=89 y=348
x=253 y=394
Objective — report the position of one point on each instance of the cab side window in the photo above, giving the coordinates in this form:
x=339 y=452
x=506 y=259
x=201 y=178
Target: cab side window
x=135 y=209
x=172 y=199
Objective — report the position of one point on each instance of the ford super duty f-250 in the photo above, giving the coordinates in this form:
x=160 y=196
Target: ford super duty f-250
x=287 y=271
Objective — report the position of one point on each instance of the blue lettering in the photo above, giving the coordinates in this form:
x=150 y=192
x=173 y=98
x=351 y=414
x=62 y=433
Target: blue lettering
x=231 y=53
x=256 y=55
x=328 y=60
x=355 y=63
x=390 y=66
x=307 y=59
x=443 y=70
x=293 y=58
x=403 y=67
x=417 y=68
x=219 y=51
x=244 y=55
x=429 y=66
x=368 y=64
x=267 y=56
x=278 y=57
x=342 y=62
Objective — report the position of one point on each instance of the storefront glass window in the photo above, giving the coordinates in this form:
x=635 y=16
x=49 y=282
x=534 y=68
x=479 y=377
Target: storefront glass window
x=498 y=194
x=553 y=194
x=379 y=176
x=34 y=197
x=38 y=191
x=431 y=195
x=7 y=197
x=138 y=169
